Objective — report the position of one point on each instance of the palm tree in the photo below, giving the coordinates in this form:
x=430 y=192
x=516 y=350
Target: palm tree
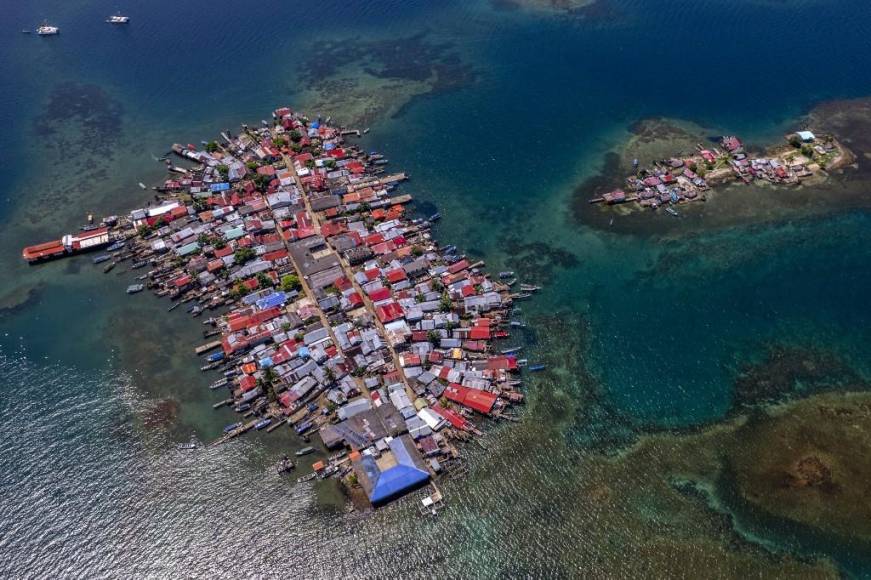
x=266 y=382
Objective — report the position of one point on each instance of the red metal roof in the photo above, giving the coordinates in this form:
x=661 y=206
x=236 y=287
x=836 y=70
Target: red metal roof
x=475 y=399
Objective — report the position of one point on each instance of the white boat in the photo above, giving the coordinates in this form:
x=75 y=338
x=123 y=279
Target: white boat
x=118 y=19
x=46 y=30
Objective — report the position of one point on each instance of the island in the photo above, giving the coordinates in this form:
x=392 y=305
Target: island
x=334 y=313
x=685 y=178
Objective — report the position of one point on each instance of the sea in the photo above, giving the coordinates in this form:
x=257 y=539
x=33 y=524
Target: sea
x=501 y=111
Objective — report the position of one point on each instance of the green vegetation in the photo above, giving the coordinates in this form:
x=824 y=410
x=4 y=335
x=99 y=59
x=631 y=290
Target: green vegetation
x=280 y=142
x=795 y=141
x=295 y=136
x=807 y=151
x=252 y=166
x=434 y=337
x=266 y=383
x=417 y=251
x=290 y=282
x=445 y=303
x=263 y=280
x=243 y=255
x=239 y=290
x=212 y=146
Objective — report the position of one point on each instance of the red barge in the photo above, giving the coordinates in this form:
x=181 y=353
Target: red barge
x=68 y=245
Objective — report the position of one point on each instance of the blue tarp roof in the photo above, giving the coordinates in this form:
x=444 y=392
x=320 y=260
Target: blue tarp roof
x=265 y=363
x=219 y=186
x=329 y=146
x=274 y=299
x=393 y=482
x=315 y=124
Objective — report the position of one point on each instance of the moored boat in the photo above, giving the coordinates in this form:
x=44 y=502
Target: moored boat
x=134 y=288
x=232 y=427
x=47 y=30
x=101 y=258
x=263 y=424
x=305 y=451
x=118 y=19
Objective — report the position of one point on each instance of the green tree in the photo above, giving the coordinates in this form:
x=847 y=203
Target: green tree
x=295 y=136
x=290 y=282
x=268 y=384
x=445 y=303
x=224 y=171
x=434 y=337
x=263 y=280
x=212 y=146
x=243 y=255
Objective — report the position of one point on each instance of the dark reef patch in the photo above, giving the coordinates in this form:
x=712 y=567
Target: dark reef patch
x=79 y=115
x=403 y=69
x=19 y=299
x=567 y=393
x=536 y=262
x=790 y=371
x=161 y=414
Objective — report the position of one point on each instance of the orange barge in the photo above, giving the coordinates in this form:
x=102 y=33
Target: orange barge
x=68 y=245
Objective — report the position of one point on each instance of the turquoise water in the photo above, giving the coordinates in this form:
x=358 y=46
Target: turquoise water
x=497 y=115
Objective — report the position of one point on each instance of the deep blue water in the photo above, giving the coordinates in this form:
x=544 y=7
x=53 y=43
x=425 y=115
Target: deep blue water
x=525 y=108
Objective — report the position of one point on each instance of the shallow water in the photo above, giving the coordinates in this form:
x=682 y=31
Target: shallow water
x=497 y=115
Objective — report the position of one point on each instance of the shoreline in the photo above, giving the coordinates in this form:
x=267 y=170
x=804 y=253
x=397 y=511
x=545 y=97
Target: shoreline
x=337 y=315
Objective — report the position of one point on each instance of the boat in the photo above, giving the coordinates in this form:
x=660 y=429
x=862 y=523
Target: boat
x=518 y=324
x=116 y=246
x=108 y=267
x=89 y=228
x=134 y=288
x=137 y=265
x=263 y=424
x=672 y=211
x=232 y=427
x=242 y=407
x=25 y=31
x=506 y=275
x=102 y=258
x=536 y=367
x=215 y=357
x=219 y=383
x=66 y=246
x=521 y=295
x=305 y=451
x=512 y=350
x=285 y=466
x=308 y=477
x=47 y=30
x=435 y=217
x=529 y=288
x=118 y=19
x=142 y=185
x=304 y=426
x=192 y=444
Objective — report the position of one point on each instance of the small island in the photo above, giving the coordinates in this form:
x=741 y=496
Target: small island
x=806 y=158
x=335 y=313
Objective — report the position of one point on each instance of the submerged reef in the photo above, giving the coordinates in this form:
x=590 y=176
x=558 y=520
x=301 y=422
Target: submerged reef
x=364 y=80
